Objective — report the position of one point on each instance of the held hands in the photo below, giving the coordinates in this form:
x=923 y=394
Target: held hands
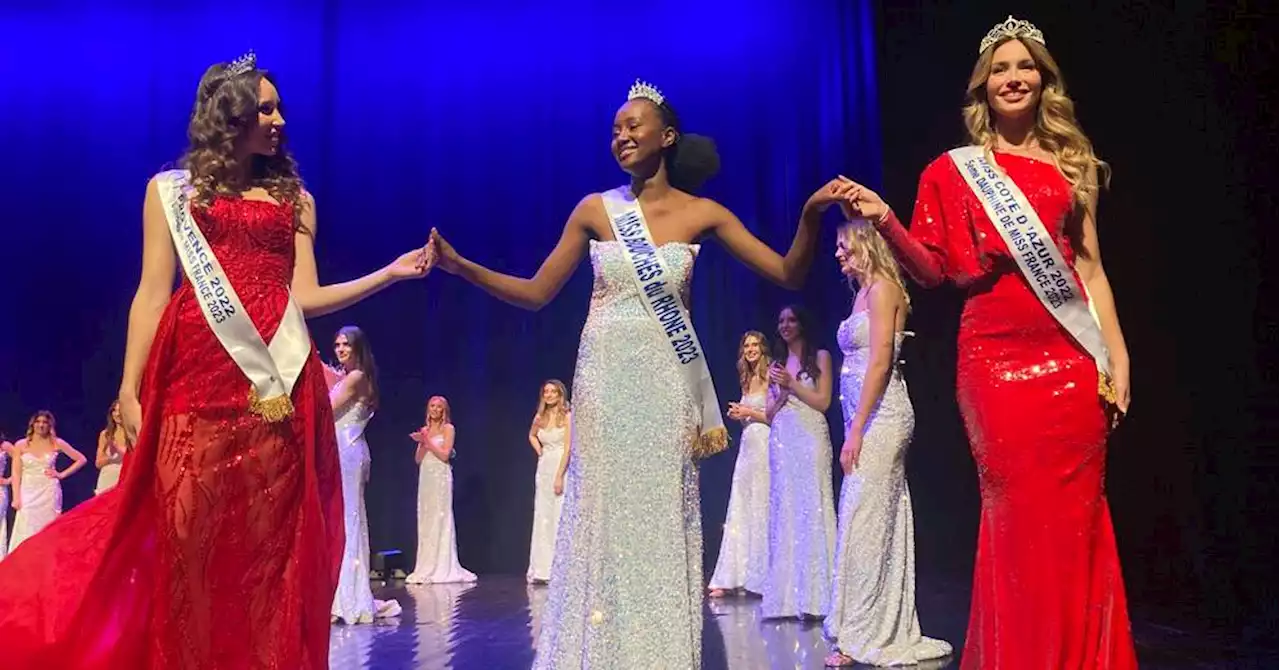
x=851 y=451
x=779 y=375
x=413 y=264
x=858 y=201
x=444 y=252
x=837 y=190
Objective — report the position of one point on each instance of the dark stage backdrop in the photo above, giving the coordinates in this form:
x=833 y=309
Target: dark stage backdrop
x=490 y=123
x=1180 y=98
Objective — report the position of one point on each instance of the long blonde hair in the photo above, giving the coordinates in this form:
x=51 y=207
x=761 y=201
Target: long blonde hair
x=445 y=419
x=543 y=410
x=1056 y=128
x=746 y=373
x=864 y=242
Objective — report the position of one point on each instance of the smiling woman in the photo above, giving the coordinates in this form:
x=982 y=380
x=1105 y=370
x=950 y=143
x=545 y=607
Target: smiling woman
x=1037 y=397
x=235 y=470
x=626 y=585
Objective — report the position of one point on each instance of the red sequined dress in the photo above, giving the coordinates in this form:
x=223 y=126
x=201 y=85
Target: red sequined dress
x=1048 y=593
x=220 y=547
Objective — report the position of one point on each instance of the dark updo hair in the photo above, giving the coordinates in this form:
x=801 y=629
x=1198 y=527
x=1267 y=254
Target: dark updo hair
x=693 y=159
x=226 y=106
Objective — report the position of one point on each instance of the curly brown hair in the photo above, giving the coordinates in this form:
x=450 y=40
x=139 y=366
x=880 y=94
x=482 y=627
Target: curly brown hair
x=226 y=108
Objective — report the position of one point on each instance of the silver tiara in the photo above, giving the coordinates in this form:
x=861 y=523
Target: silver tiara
x=242 y=64
x=645 y=90
x=1011 y=27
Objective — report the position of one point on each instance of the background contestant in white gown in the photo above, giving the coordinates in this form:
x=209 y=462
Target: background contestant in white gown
x=37 y=482
x=873 y=591
x=626 y=585
x=113 y=444
x=353 y=392
x=802 y=517
x=437 y=559
x=5 y=450
x=549 y=436
x=744 y=548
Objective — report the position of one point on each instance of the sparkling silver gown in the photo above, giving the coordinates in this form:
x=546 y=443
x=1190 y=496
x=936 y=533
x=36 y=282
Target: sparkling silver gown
x=437 y=559
x=873 y=590
x=802 y=515
x=41 y=497
x=546 y=504
x=353 y=600
x=744 y=548
x=626 y=584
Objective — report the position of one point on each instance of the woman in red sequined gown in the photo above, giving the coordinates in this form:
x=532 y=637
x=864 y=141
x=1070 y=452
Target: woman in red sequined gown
x=1048 y=593
x=220 y=547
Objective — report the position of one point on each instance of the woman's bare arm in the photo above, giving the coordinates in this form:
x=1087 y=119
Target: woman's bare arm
x=537 y=291
x=77 y=459
x=818 y=397
x=317 y=300
x=159 y=265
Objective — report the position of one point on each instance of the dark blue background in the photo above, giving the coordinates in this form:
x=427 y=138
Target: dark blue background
x=490 y=124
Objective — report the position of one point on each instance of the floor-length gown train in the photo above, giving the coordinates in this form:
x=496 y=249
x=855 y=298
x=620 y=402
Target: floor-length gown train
x=873 y=588
x=1048 y=592
x=626 y=585
x=802 y=514
x=744 y=548
x=220 y=546
x=353 y=601
x=547 y=505
x=437 y=558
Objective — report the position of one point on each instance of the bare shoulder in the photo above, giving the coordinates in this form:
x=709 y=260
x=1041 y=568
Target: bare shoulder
x=885 y=293
x=590 y=215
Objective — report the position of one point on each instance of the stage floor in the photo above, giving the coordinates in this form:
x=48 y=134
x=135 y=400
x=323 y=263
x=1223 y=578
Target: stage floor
x=491 y=625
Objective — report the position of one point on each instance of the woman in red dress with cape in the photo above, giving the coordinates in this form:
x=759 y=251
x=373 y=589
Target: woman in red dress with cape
x=220 y=547
x=1048 y=592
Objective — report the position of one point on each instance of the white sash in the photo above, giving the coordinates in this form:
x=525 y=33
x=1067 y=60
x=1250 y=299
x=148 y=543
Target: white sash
x=272 y=370
x=1031 y=246
x=661 y=296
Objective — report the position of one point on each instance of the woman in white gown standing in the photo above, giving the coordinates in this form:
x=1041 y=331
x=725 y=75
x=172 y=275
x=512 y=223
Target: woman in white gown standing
x=113 y=444
x=37 y=482
x=873 y=592
x=353 y=392
x=437 y=559
x=744 y=547
x=802 y=517
x=626 y=586
x=550 y=437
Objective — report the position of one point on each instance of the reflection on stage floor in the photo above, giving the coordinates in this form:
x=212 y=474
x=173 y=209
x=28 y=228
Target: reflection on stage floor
x=492 y=625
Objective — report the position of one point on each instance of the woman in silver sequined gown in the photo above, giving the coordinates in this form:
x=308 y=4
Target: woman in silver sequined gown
x=353 y=394
x=626 y=582
x=802 y=517
x=744 y=547
x=872 y=618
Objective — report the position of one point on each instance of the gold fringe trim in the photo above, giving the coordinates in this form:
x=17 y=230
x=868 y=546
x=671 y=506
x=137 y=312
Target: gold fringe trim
x=711 y=443
x=272 y=410
x=1106 y=388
